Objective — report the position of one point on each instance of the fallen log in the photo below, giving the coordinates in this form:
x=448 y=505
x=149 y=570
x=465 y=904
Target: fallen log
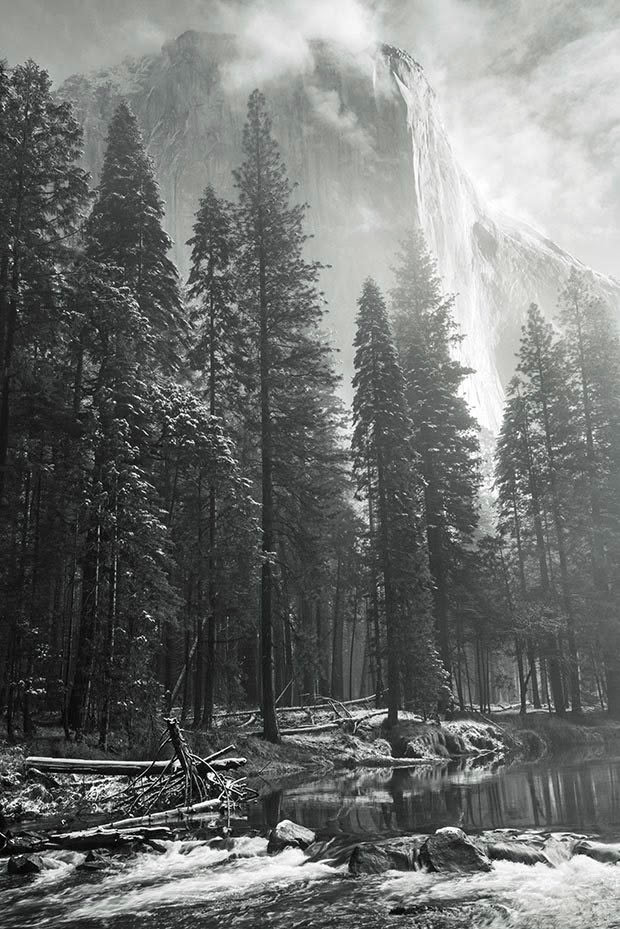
x=337 y=706
x=128 y=768
x=301 y=730
x=176 y=813
x=232 y=714
x=94 y=766
x=82 y=840
x=320 y=727
x=221 y=764
x=105 y=837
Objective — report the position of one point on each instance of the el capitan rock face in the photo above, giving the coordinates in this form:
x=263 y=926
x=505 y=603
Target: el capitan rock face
x=363 y=139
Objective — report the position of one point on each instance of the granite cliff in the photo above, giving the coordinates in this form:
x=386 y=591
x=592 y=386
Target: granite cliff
x=363 y=139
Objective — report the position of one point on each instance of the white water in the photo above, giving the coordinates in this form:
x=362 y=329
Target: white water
x=191 y=884
x=575 y=894
x=186 y=874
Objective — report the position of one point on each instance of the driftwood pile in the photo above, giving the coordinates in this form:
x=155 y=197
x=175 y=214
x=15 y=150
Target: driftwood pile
x=183 y=788
x=321 y=715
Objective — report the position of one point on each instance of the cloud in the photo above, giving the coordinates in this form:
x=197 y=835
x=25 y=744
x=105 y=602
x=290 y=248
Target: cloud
x=275 y=36
x=329 y=109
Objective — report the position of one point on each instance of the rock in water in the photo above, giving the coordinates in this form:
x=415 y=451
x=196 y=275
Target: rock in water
x=517 y=852
x=396 y=854
x=451 y=850
x=288 y=834
x=95 y=861
x=25 y=864
x=599 y=851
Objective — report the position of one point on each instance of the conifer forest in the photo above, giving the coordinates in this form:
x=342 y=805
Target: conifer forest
x=192 y=515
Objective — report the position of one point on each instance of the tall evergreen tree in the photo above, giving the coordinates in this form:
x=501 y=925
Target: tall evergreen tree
x=384 y=464
x=43 y=194
x=43 y=199
x=125 y=231
x=290 y=362
x=444 y=431
x=212 y=288
x=137 y=335
x=542 y=364
x=593 y=365
x=521 y=483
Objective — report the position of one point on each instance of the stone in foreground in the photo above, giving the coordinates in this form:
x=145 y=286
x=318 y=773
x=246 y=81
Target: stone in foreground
x=288 y=834
x=393 y=855
x=451 y=850
x=24 y=864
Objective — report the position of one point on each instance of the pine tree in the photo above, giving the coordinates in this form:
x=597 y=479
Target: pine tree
x=43 y=198
x=384 y=461
x=444 y=431
x=125 y=231
x=593 y=356
x=212 y=288
x=133 y=340
x=43 y=193
x=520 y=470
x=289 y=363
x=542 y=364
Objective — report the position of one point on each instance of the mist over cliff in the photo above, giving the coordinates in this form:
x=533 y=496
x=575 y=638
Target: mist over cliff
x=362 y=137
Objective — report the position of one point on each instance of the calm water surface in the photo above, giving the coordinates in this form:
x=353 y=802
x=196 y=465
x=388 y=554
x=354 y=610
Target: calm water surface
x=193 y=886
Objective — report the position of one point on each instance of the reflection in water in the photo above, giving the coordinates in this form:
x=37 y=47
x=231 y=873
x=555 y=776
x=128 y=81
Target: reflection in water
x=578 y=796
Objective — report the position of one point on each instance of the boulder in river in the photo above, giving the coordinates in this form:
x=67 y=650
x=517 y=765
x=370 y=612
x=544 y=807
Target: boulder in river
x=25 y=864
x=517 y=852
x=394 y=854
x=451 y=850
x=95 y=861
x=288 y=834
x=599 y=851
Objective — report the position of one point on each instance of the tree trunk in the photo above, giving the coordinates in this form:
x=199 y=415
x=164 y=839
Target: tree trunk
x=575 y=689
x=440 y=588
x=612 y=679
x=531 y=657
x=374 y=601
x=392 y=618
x=207 y=714
x=270 y=720
x=320 y=640
x=522 y=684
x=87 y=634
x=352 y=646
x=337 y=688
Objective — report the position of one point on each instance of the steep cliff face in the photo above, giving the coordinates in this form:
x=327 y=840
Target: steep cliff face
x=364 y=142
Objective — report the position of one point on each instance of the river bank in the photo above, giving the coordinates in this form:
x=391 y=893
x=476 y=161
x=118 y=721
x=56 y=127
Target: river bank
x=362 y=742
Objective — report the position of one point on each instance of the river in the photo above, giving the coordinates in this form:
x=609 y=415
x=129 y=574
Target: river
x=192 y=885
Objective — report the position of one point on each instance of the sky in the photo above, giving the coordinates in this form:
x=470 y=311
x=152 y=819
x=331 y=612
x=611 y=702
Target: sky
x=529 y=89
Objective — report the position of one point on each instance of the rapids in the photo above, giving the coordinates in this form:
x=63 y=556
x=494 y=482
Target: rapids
x=192 y=885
